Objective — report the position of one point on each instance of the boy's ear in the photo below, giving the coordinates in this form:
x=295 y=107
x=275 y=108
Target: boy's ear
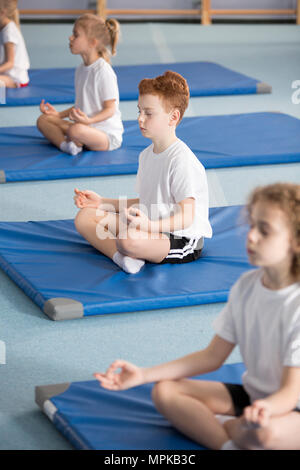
x=175 y=116
x=296 y=246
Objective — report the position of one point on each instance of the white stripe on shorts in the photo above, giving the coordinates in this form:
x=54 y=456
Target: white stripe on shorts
x=186 y=250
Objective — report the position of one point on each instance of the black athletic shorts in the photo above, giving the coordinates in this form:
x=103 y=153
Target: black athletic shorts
x=183 y=250
x=240 y=398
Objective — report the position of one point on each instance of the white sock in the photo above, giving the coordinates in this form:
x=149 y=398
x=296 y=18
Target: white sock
x=63 y=146
x=230 y=445
x=223 y=418
x=128 y=264
x=70 y=147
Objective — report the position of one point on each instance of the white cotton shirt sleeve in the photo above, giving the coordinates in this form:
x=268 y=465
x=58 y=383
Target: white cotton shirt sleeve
x=292 y=335
x=265 y=324
x=184 y=180
x=137 y=180
x=11 y=34
x=187 y=179
x=167 y=178
x=95 y=84
x=109 y=86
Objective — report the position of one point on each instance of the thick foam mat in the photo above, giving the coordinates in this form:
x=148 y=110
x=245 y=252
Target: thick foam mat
x=204 y=79
x=217 y=141
x=91 y=417
x=67 y=278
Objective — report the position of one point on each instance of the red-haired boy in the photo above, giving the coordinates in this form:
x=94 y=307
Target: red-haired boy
x=169 y=220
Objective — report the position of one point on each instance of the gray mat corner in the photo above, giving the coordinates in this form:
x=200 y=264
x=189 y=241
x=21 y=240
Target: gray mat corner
x=46 y=392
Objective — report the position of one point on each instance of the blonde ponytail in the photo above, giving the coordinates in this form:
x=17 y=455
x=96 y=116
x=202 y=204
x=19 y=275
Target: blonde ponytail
x=16 y=17
x=11 y=10
x=113 y=27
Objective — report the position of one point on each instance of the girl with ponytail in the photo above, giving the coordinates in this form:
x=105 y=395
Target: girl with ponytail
x=14 y=60
x=95 y=120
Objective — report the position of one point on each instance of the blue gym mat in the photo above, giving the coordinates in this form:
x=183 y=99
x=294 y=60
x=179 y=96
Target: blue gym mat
x=56 y=85
x=218 y=141
x=67 y=278
x=93 y=418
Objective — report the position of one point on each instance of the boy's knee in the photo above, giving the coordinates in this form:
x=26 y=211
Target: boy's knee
x=75 y=131
x=162 y=392
x=78 y=220
x=127 y=246
x=87 y=217
x=45 y=119
x=41 y=120
x=82 y=218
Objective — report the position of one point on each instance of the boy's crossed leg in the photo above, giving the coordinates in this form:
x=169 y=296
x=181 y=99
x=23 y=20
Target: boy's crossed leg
x=128 y=247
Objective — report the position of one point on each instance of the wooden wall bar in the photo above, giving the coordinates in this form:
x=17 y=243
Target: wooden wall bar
x=206 y=12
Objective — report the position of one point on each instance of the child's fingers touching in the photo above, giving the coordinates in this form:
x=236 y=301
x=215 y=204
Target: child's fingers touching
x=134 y=211
x=249 y=414
x=264 y=419
x=129 y=215
x=106 y=382
x=118 y=364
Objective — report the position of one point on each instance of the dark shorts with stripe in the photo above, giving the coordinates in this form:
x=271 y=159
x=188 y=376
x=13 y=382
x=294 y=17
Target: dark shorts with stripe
x=240 y=398
x=183 y=250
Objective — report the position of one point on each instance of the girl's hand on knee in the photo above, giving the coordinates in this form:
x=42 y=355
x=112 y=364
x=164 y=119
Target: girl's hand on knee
x=87 y=198
x=258 y=413
x=47 y=108
x=77 y=115
x=128 y=377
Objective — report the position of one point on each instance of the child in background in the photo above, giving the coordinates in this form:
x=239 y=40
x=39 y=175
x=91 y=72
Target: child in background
x=169 y=220
x=14 y=60
x=95 y=120
x=262 y=316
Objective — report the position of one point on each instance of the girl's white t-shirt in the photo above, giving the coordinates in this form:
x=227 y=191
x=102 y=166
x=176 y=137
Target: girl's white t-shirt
x=167 y=178
x=19 y=72
x=265 y=324
x=95 y=84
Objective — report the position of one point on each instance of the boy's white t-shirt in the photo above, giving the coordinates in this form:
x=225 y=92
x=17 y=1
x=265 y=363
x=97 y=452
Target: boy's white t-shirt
x=165 y=179
x=266 y=325
x=19 y=72
x=95 y=84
